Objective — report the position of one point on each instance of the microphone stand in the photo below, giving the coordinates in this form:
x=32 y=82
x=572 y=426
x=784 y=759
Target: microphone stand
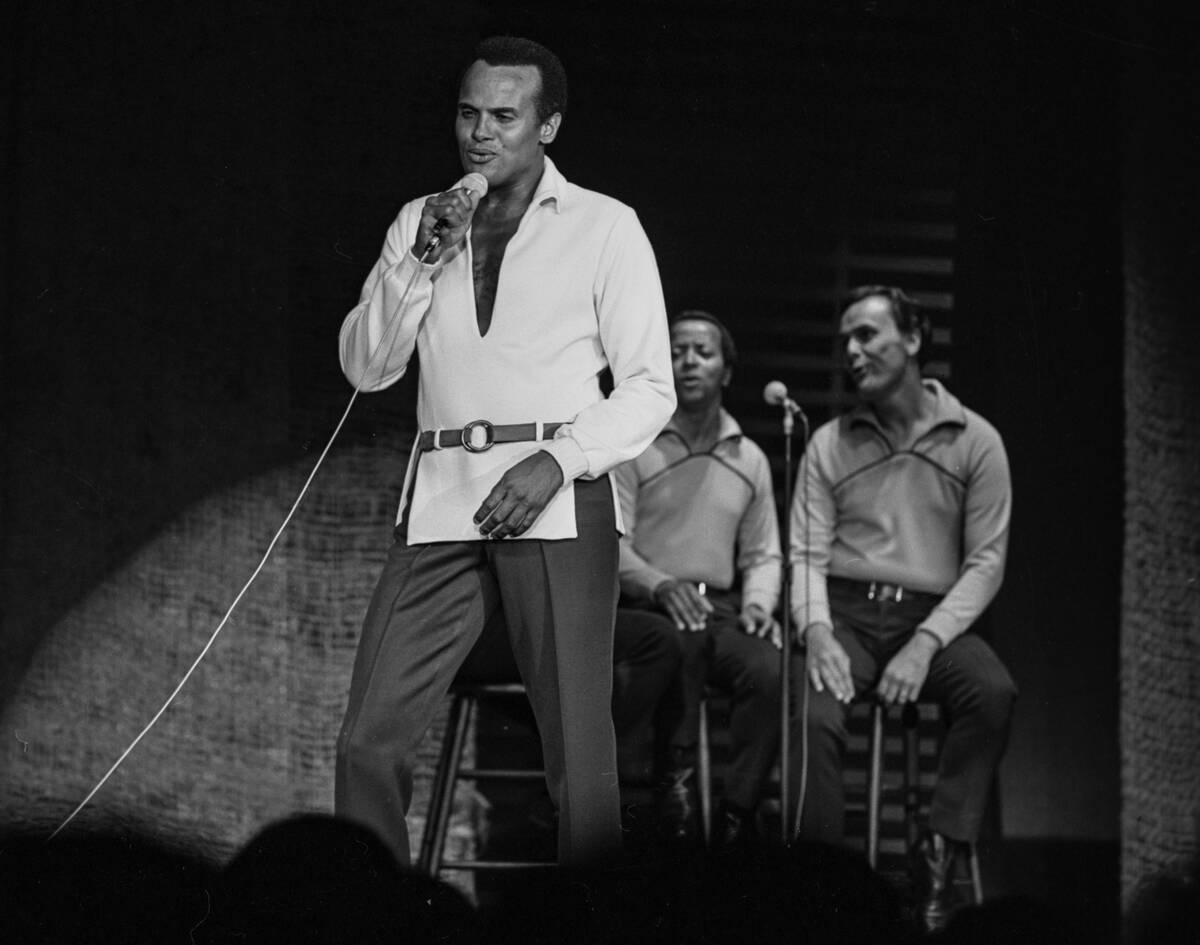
x=785 y=649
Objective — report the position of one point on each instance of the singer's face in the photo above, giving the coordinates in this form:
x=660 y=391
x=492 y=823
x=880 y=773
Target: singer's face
x=498 y=131
x=877 y=353
x=698 y=363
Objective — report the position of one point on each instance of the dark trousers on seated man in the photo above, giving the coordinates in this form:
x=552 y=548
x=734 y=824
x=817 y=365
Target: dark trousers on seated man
x=966 y=677
x=745 y=667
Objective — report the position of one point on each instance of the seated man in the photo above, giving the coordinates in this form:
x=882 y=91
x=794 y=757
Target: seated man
x=898 y=536
x=699 y=513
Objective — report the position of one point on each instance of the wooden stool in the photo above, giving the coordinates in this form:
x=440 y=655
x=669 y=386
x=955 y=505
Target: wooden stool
x=910 y=718
x=465 y=698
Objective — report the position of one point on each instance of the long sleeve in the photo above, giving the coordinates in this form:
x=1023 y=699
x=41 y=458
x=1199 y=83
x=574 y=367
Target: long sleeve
x=812 y=523
x=378 y=336
x=638 y=577
x=986 y=514
x=632 y=321
x=759 y=561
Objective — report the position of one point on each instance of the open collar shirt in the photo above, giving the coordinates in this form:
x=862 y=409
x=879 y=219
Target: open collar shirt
x=578 y=292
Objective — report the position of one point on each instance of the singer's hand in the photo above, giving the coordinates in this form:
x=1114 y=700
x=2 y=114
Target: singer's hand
x=684 y=604
x=455 y=208
x=827 y=662
x=905 y=674
x=518 y=498
x=756 y=621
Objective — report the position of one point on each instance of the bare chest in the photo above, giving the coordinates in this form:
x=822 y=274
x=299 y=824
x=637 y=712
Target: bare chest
x=489 y=241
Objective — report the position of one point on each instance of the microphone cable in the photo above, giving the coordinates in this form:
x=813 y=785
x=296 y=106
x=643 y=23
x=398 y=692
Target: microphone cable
x=393 y=329
x=804 y=680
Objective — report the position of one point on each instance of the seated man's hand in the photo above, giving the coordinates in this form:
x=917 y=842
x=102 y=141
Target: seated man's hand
x=756 y=621
x=518 y=498
x=905 y=673
x=684 y=604
x=827 y=662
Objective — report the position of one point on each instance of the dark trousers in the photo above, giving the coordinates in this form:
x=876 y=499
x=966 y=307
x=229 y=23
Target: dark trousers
x=647 y=652
x=429 y=608
x=744 y=666
x=968 y=680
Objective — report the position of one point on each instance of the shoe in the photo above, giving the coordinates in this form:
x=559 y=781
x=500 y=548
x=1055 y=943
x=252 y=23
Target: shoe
x=733 y=827
x=677 y=808
x=934 y=863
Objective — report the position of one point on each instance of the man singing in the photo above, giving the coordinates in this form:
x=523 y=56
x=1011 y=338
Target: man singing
x=700 y=559
x=899 y=530
x=529 y=293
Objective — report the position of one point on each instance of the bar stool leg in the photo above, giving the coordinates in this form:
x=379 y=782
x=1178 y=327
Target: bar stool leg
x=911 y=718
x=874 y=777
x=438 y=822
x=438 y=789
x=976 y=875
x=705 y=774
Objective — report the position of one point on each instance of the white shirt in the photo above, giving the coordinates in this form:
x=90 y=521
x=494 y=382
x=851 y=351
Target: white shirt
x=578 y=292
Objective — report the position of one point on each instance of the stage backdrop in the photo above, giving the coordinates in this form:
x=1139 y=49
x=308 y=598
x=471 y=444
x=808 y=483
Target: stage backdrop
x=1160 y=639
x=251 y=737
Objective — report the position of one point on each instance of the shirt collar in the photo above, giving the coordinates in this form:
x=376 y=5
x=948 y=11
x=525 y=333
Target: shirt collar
x=551 y=187
x=946 y=409
x=728 y=430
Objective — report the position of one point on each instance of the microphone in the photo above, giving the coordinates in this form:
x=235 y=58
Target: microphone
x=776 y=393
x=474 y=182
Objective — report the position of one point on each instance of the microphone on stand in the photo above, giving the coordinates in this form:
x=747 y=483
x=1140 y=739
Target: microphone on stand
x=476 y=183
x=776 y=394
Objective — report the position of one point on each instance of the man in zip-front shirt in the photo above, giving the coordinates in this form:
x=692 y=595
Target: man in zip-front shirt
x=899 y=531
x=701 y=562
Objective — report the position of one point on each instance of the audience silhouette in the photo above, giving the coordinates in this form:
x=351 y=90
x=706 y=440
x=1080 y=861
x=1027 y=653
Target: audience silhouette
x=313 y=878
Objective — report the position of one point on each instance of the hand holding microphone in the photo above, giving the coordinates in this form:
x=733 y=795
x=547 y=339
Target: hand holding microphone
x=446 y=216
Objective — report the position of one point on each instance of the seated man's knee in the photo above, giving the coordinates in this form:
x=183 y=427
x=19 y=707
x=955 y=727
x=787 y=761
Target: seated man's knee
x=823 y=712
x=643 y=637
x=995 y=702
x=760 y=670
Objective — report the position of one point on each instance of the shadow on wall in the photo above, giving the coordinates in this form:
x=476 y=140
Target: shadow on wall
x=251 y=737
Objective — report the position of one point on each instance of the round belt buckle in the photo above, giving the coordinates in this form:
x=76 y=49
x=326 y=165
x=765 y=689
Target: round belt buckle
x=473 y=443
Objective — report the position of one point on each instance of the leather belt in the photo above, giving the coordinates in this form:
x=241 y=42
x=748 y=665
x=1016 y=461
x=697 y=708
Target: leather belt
x=881 y=590
x=479 y=436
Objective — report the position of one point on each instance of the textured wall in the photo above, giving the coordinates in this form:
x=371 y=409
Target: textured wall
x=251 y=737
x=1160 y=640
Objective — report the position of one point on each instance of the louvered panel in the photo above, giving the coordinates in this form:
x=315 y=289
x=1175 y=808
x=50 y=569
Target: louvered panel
x=911 y=265
x=786 y=328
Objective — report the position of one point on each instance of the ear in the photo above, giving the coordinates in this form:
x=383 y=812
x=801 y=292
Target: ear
x=912 y=342
x=726 y=377
x=549 y=129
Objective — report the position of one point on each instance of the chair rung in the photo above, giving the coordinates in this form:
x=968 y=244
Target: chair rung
x=500 y=774
x=497 y=865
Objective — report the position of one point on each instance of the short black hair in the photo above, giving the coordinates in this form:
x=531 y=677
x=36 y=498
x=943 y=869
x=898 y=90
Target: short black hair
x=518 y=51
x=728 y=348
x=907 y=313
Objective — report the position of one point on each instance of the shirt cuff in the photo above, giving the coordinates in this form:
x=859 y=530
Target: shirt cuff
x=941 y=626
x=407 y=264
x=569 y=456
x=817 y=613
x=762 y=599
x=641 y=584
